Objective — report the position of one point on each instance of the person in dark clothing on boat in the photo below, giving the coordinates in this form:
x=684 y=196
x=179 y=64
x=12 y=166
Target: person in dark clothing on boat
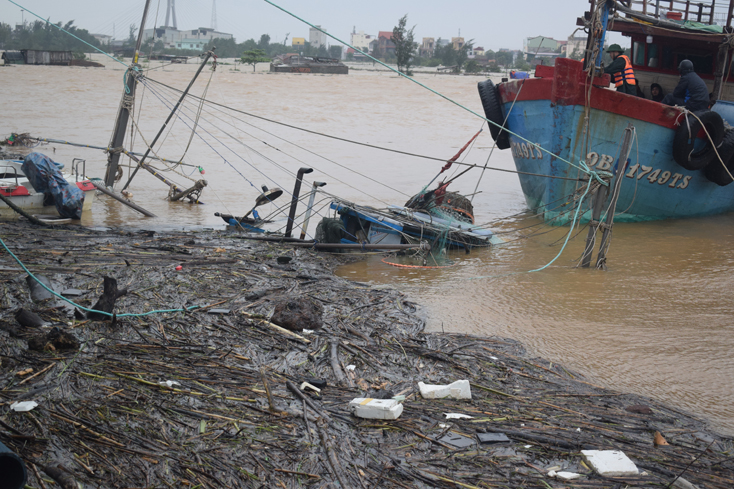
x=656 y=92
x=621 y=70
x=691 y=92
x=638 y=89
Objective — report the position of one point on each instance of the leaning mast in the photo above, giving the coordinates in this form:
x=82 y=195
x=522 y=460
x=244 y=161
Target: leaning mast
x=127 y=105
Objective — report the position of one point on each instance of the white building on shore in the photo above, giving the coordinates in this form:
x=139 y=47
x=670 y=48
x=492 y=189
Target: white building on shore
x=174 y=38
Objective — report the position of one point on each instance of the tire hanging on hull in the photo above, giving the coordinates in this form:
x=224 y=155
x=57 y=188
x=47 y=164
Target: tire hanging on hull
x=715 y=171
x=685 y=152
x=490 y=97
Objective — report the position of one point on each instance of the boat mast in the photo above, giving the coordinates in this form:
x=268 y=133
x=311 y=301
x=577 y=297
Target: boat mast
x=126 y=106
x=209 y=54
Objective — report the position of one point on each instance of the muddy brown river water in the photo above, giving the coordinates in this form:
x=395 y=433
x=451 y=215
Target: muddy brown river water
x=657 y=323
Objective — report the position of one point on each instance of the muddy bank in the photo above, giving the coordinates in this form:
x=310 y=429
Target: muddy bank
x=210 y=397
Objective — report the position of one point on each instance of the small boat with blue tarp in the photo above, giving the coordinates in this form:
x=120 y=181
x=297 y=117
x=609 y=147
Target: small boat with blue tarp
x=37 y=185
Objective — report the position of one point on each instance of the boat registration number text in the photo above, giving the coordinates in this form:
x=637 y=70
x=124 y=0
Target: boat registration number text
x=527 y=150
x=672 y=180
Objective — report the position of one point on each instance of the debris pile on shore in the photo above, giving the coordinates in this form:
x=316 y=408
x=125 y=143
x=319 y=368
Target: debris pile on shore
x=214 y=397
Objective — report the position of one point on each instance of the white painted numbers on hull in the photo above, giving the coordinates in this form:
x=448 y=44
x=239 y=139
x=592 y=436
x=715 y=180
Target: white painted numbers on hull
x=527 y=150
x=673 y=180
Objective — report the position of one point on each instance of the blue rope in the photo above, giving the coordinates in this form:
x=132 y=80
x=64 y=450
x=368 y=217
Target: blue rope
x=67 y=32
x=158 y=311
x=570 y=231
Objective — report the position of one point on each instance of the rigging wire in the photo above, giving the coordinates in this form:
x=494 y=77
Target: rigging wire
x=179 y=115
x=399 y=73
x=359 y=143
x=295 y=158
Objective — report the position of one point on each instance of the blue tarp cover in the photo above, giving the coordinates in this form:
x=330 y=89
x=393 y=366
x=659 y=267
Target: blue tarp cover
x=45 y=177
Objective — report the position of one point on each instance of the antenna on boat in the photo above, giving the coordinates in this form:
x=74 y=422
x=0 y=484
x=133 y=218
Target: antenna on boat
x=126 y=105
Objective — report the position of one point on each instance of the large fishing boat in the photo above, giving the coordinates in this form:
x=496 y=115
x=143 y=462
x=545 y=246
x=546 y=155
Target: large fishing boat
x=567 y=120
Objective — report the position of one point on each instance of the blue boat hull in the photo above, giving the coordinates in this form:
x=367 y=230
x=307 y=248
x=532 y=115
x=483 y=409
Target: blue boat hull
x=551 y=114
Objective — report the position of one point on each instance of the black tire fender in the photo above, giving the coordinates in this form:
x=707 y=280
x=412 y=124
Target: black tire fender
x=684 y=151
x=715 y=171
x=490 y=97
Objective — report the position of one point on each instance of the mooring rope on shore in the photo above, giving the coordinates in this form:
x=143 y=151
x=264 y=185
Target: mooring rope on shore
x=86 y=309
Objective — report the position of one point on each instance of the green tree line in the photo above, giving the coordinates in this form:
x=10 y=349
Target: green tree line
x=44 y=36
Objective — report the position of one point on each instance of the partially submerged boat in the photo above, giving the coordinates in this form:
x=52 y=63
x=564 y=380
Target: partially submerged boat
x=443 y=226
x=296 y=63
x=566 y=121
x=38 y=186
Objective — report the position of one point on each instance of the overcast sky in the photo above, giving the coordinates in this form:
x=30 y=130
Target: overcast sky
x=493 y=24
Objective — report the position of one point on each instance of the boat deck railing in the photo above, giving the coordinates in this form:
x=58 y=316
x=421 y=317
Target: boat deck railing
x=705 y=11
x=6 y=175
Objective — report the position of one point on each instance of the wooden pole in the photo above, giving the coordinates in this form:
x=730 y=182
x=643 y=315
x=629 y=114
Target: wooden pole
x=123 y=113
x=599 y=200
x=112 y=194
x=618 y=177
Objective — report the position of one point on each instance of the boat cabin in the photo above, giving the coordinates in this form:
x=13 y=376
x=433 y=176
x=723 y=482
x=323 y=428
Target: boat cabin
x=664 y=33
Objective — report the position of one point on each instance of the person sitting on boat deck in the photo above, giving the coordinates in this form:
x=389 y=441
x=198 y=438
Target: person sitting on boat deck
x=656 y=92
x=639 y=91
x=621 y=70
x=691 y=91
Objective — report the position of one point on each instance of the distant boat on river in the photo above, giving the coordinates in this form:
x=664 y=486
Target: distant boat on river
x=295 y=63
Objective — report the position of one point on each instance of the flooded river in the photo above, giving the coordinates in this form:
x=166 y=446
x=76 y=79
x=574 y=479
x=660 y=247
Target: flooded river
x=658 y=323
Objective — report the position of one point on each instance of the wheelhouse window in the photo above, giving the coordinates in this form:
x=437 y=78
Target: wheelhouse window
x=653 y=56
x=665 y=57
x=638 y=53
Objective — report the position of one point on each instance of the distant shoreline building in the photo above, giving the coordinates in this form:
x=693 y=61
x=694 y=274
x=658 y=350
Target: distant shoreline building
x=174 y=38
x=317 y=38
x=543 y=47
x=428 y=47
x=576 y=45
x=103 y=39
x=360 y=40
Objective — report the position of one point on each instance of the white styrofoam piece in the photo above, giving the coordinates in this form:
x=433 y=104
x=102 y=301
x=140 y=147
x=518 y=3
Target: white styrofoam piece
x=456 y=390
x=376 y=408
x=567 y=476
x=169 y=383
x=457 y=416
x=24 y=406
x=610 y=463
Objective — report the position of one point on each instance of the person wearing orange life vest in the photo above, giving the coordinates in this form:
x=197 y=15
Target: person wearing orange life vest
x=621 y=70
